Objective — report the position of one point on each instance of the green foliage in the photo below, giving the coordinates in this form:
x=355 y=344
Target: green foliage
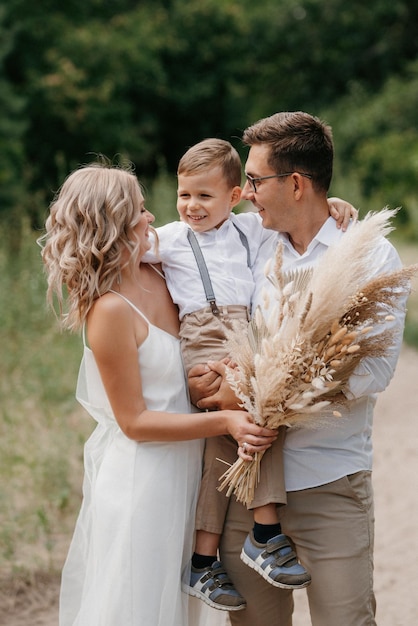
x=409 y=255
x=144 y=81
x=309 y=53
x=41 y=427
x=377 y=146
x=161 y=197
x=12 y=127
x=204 y=94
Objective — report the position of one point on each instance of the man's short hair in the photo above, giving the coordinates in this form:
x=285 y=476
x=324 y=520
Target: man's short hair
x=299 y=142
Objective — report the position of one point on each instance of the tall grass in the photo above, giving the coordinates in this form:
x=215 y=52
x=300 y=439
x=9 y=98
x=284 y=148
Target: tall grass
x=42 y=428
x=409 y=255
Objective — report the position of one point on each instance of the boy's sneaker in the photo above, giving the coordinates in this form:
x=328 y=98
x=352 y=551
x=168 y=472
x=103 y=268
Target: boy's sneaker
x=276 y=562
x=213 y=586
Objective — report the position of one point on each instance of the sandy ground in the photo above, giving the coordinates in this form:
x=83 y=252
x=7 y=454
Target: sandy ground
x=396 y=496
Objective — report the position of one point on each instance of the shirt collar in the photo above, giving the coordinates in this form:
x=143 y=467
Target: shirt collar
x=326 y=236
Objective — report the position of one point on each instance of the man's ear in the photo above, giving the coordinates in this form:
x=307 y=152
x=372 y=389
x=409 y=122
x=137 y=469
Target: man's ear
x=299 y=183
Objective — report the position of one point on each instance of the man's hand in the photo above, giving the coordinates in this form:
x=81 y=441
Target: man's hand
x=209 y=388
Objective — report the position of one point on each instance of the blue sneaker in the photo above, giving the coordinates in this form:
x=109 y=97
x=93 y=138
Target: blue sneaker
x=276 y=562
x=213 y=586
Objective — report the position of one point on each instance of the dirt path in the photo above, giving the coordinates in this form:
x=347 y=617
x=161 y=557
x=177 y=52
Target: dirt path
x=396 y=494
x=30 y=603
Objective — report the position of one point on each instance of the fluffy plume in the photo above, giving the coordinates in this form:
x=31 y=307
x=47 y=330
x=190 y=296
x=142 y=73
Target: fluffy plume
x=294 y=363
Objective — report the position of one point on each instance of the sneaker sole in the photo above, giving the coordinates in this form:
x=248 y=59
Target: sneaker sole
x=248 y=561
x=222 y=607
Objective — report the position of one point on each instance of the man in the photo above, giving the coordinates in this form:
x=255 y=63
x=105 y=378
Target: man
x=329 y=514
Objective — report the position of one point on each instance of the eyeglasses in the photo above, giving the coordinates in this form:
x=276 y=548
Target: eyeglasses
x=254 y=181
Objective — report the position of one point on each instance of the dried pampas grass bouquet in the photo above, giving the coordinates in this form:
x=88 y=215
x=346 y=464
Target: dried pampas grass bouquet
x=292 y=363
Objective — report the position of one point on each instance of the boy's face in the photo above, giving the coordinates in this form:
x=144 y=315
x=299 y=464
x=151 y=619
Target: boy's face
x=204 y=199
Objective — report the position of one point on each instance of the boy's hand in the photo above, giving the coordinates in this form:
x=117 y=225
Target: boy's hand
x=209 y=388
x=342 y=212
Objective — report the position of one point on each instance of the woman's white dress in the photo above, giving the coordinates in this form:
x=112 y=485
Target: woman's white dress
x=133 y=537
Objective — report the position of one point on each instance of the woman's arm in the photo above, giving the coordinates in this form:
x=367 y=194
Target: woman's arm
x=115 y=331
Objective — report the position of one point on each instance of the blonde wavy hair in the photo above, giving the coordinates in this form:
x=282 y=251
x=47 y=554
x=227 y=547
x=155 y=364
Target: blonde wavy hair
x=88 y=231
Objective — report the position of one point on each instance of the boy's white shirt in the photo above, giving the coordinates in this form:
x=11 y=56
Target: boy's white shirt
x=225 y=256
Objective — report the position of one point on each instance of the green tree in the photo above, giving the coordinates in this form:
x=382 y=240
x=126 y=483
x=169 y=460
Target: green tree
x=377 y=144
x=12 y=128
x=307 y=54
x=143 y=81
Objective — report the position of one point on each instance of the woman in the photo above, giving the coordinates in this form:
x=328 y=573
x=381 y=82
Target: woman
x=133 y=537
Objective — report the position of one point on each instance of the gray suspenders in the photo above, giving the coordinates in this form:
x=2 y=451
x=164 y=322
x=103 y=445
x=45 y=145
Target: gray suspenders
x=203 y=270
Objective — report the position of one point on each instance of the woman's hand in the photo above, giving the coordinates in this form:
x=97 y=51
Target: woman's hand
x=250 y=437
x=244 y=454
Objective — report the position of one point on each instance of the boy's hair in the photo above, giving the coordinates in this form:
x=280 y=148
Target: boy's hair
x=88 y=230
x=298 y=142
x=211 y=153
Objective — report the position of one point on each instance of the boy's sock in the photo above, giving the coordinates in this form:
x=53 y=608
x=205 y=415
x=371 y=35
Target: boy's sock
x=199 y=561
x=264 y=532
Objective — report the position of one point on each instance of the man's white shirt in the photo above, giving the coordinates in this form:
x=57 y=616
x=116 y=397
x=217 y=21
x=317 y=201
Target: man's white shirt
x=315 y=457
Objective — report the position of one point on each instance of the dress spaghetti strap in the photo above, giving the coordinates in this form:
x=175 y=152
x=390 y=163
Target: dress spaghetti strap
x=83 y=330
x=156 y=270
x=131 y=305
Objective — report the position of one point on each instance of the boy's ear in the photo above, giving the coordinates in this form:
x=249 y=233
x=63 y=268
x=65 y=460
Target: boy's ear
x=235 y=196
